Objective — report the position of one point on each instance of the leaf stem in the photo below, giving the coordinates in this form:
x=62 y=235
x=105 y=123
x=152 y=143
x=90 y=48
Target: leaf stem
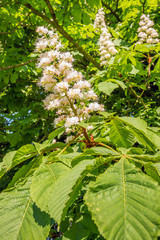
x=104 y=145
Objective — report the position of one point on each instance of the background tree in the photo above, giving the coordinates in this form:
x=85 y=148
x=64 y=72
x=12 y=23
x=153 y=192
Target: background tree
x=45 y=180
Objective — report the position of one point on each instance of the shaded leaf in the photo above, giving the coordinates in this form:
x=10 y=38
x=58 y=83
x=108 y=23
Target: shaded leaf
x=77 y=232
x=20 y=217
x=43 y=182
x=66 y=188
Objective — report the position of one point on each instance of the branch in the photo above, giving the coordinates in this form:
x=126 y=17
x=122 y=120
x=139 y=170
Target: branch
x=61 y=30
x=111 y=10
x=117 y=2
x=51 y=9
x=18 y=65
x=143 y=4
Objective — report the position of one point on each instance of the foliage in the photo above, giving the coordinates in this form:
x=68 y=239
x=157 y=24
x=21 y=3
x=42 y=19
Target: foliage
x=117 y=178
x=20 y=98
x=106 y=187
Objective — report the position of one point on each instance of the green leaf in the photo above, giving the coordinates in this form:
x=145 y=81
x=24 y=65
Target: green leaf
x=77 y=232
x=147 y=157
x=94 y=3
x=151 y=170
x=20 y=217
x=106 y=114
x=136 y=122
x=158 y=110
x=86 y=19
x=157 y=166
x=76 y=12
x=120 y=83
x=25 y=171
x=14 y=158
x=8 y=159
x=142 y=48
x=102 y=151
x=48 y=146
x=66 y=189
x=55 y=133
x=120 y=135
x=14 y=138
x=154 y=138
x=107 y=87
x=3 y=169
x=124 y=203
x=23 y=154
x=134 y=70
x=6 y=79
x=43 y=182
x=140 y=135
x=14 y=77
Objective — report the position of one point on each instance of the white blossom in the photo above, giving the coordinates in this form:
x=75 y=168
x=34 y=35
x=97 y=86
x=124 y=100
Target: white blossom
x=75 y=93
x=95 y=107
x=147 y=34
x=82 y=85
x=70 y=92
x=90 y=127
x=100 y=19
x=73 y=76
x=54 y=141
x=62 y=86
x=71 y=121
x=107 y=48
x=54 y=104
x=69 y=139
x=91 y=95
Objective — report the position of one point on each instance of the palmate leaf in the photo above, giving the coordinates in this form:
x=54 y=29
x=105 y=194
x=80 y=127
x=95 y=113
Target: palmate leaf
x=14 y=158
x=43 y=182
x=25 y=171
x=136 y=122
x=20 y=218
x=120 y=135
x=65 y=190
x=138 y=133
x=124 y=203
x=55 y=189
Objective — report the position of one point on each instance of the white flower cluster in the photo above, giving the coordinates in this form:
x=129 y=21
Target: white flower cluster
x=70 y=95
x=100 y=19
x=146 y=33
x=107 y=48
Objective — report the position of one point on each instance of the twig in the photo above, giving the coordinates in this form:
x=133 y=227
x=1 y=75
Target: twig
x=137 y=96
x=104 y=145
x=111 y=10
x=143 y=5
x=61 y=30
x=117 y=2
x=18 y=65
x=85 y=134
x=149 y=72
